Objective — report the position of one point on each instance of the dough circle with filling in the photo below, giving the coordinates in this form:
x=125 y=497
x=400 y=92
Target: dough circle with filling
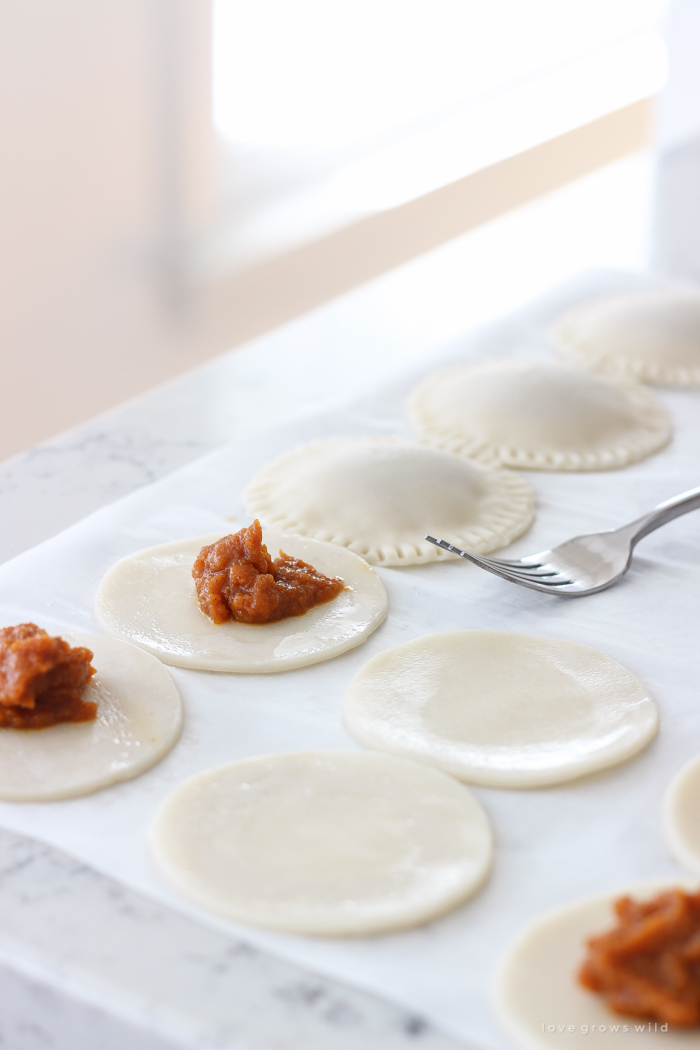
x=379 y=496
x=538 y=415
x=149 y=599
x=501 y=709
x=324 y=842
x=139 y=718
x=653 y=335
x=682 y=816
x=537 y=986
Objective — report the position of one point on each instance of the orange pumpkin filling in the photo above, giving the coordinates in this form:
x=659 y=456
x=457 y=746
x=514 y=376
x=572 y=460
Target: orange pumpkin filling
x=237 y=579
x=649 y=964
x=42 y=679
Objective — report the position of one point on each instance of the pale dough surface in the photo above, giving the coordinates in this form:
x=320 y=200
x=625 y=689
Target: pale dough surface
x=538 y=415
x=149 y=599
x=139 y=718
x=380 y=496
x=653 y=335
x=324 y=842
x=499 y=708
x=682 y=816
x=537 y=984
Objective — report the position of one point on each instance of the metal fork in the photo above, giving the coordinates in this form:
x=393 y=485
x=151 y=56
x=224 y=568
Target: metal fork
x=584 y=564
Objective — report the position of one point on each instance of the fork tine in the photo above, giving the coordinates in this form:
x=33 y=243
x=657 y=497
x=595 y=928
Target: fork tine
x=516 y=572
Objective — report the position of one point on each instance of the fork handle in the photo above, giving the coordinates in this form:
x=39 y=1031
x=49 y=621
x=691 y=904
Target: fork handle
x=666 y=511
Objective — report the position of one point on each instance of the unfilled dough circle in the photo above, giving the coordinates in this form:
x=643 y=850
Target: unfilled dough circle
x=653 y=335
x=379 y=497
x=501 y=709
x=538 y=415
x=682 y=816
x=149 y=599
x=139 y=718
x=536 y=984
x=324 y=842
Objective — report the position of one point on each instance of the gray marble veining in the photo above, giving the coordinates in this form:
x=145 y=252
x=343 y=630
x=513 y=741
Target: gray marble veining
x=134 y=974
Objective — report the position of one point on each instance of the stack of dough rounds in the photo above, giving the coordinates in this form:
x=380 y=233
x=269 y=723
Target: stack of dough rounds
x=653 y=335
x=501 y=709
x=149 y=599
x=379 y=496
x=139 y=718
x=324 y=842
x=540 y=415
x=537 y=987
x=682 y=816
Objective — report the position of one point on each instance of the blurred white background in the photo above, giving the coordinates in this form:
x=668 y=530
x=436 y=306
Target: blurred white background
x=178 y=177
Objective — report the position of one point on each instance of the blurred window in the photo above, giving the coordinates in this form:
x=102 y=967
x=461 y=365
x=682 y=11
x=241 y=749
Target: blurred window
x=308 y=87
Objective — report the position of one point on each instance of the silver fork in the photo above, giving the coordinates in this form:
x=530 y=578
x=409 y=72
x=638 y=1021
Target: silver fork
x=584 y=564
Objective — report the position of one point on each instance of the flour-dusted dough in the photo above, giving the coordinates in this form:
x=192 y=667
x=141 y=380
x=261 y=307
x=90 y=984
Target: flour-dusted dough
x=139 y=718
x=149 y=599
x=501 y=709
x=539 y=415
x=653 y=334
x=537 y=989
x=682 y=816
x=324 y=842
x=379 y=496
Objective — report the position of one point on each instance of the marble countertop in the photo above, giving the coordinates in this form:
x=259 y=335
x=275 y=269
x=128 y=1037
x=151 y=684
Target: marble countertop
x=85 y=963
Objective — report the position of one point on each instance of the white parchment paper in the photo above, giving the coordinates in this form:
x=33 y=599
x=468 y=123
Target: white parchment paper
x=552 y=845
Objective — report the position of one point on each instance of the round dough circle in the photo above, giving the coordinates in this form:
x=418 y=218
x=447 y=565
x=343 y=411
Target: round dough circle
x=149 y=599
x=538 y=415
x=653 y=335
x=379 y=496
x=501 y=709
x=536 y=983
x=682 y=816
x=324 y=842
x=139 y=719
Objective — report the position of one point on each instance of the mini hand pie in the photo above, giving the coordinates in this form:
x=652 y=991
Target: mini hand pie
x=379 y=496
x=653 y=335
x=324 y=842
x=538 y=415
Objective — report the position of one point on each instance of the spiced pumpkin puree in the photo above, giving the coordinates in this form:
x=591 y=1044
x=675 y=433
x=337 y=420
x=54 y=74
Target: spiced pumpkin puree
x=42 y=679
x=237 y=579
x=649 y=965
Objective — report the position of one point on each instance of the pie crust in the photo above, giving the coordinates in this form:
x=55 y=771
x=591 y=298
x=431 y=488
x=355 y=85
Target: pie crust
x=682 y=816
x=538 y=415
x=139 y=718
x=501 y=709
x=324 y=842
x=149 y=599
x=651 y=335
x=537 y=987
x=379 y=496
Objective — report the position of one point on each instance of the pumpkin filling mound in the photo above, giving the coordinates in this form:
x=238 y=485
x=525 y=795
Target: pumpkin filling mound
x=236 y=579
x=42 y=679
x=649 y=965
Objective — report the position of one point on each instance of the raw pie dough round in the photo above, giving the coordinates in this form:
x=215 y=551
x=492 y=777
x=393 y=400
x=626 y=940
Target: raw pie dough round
x=149 y=598
x=139 y=718
x=653 y=335
x=537 y=986
x=682 y=816
x=324 y=842
x=540 y=415
x=501 y=709
x=379 y=496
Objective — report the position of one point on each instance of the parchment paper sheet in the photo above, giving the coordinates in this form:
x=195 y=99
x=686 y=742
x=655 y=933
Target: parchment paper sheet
x=552 y=845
